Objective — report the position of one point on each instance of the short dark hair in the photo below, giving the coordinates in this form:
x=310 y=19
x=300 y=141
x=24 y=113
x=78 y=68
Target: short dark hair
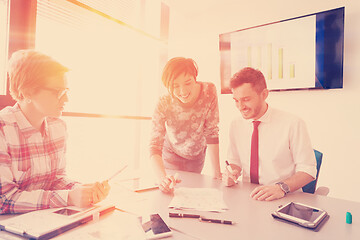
x=175 y=67
x=249 y=75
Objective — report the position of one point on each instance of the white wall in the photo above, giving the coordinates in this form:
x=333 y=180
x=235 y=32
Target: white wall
x=332 y=116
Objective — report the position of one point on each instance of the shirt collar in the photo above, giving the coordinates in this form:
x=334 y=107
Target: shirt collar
x=25 y=126
x=267 y=115
x=264 y=118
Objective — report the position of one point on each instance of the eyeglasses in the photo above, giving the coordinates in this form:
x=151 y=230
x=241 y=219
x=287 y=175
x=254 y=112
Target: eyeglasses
x=58 y=92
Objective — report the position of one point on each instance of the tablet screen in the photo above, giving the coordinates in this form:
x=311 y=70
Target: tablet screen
x=302 y=212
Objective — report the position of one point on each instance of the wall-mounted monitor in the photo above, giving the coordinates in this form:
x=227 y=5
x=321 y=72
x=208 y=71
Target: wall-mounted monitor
x=304 y=52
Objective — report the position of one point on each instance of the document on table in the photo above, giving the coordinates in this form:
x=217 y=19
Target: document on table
x=202 y=199
x=119 y=226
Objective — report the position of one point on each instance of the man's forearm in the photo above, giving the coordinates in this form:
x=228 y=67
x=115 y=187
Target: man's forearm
x=298 y=180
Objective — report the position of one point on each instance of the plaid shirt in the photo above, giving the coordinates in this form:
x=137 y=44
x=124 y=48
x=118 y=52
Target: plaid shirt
x=32 y=164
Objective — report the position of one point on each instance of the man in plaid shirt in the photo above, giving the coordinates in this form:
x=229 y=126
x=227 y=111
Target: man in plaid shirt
x=33 y=140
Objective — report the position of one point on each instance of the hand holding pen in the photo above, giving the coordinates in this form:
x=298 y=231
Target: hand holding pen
x=230 y=175
x=101 y=190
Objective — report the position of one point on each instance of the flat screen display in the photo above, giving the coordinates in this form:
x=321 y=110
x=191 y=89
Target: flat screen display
x=304 y=52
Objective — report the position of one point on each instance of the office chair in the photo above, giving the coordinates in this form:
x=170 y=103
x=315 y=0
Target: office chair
x=311 y=186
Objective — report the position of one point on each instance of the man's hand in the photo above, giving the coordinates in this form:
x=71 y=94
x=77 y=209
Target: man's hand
x=100 y=191
x=267 y=193
x=87 y=194
x=229 y=178
x=80 y=196
x=168 y=183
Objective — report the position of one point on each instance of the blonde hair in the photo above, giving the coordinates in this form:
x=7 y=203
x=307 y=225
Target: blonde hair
x=29 y=69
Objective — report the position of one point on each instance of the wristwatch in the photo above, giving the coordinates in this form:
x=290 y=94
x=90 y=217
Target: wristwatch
x=284 y=187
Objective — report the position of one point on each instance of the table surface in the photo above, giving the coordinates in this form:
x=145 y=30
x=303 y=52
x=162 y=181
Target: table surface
x=253 y=218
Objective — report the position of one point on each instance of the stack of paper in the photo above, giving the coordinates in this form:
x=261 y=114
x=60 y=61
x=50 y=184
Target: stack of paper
x=202 y=199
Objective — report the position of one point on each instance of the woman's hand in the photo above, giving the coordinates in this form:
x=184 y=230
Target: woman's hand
x=168 y=183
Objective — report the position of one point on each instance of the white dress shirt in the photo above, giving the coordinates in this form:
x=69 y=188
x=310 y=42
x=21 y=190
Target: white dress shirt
x=284 y=147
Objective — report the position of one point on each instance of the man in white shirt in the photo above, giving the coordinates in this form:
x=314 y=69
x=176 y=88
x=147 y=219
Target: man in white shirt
x=277 y=152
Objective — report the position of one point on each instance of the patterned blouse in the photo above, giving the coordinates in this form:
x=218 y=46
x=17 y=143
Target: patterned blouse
x=32 y=165
x=187 y=129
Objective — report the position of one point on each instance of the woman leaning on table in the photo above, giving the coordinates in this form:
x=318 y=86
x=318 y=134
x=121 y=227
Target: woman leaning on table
x=33 y=140
x=185 y=123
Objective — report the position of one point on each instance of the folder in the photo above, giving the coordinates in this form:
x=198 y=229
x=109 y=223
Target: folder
x=48 y=223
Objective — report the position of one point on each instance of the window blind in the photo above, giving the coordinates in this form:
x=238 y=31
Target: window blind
x=114 y=69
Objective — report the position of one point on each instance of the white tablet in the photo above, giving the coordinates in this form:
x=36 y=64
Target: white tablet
x=301 y=214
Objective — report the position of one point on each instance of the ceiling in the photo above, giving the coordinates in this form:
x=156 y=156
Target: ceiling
x=194 y=7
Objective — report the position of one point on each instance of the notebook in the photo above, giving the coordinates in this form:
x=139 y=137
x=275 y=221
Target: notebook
x=48 y=223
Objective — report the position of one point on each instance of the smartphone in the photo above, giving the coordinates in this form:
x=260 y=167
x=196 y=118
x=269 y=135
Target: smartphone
x=304 y=215
x=66 y=211
x=156 y=228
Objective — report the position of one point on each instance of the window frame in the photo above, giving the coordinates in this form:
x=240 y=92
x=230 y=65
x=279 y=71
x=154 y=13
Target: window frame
x=21 y=31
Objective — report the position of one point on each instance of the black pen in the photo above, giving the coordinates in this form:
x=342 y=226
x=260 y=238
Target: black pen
x=216 y=221
x=183 y=215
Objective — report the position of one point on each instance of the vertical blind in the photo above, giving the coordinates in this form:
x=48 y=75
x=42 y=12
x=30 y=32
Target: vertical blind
x=114 y=68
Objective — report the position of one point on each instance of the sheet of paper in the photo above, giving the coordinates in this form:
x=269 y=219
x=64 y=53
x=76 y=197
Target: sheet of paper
x=202 y=199
x=126 y=199
x=119 y=226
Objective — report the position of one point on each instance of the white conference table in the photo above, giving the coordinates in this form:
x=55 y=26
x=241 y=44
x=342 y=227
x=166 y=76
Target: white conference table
x=253 y=218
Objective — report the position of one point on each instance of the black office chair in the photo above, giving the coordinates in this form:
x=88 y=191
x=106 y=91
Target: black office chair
x=311 y=186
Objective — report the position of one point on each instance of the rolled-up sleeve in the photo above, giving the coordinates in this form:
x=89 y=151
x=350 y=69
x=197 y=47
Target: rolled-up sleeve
x=301 y=148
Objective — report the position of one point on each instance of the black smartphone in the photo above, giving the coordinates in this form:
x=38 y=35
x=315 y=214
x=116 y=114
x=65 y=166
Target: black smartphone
x=156 y=228
x=66 y=211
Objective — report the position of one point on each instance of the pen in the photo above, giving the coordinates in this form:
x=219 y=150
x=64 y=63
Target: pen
x=115 y=174
x=229 y=168
x=183 y=215
x=228 y=222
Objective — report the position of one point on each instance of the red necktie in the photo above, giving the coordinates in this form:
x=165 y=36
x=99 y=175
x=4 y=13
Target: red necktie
x=254 y=158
